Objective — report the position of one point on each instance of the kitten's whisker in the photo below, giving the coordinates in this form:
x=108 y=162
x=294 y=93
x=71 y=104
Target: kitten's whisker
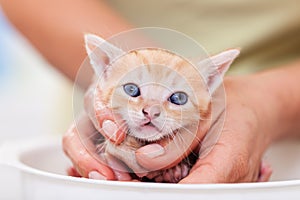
x=176 y=142
x=121 y=126
x=92 y=135
x=198 y=139
x=169 y=137
x=124 y=124
x=189 y=148
x=100 y=148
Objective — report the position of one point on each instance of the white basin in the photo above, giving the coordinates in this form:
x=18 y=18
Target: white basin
x=39 y=166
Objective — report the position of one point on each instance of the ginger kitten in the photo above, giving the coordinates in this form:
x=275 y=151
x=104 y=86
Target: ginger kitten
x=158 y=96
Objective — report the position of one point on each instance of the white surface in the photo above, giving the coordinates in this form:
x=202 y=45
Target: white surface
x=39 y=166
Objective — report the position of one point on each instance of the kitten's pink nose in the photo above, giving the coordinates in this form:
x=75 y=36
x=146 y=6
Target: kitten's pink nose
x=152 y=111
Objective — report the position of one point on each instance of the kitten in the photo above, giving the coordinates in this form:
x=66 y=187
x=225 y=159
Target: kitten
x=157 y=95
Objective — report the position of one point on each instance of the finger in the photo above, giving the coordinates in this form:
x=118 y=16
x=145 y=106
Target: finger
x=96 y=175
x=71 y=171
x=111 y=132
x=219 y=166
x=102 y=117
x=222 y=165
x=265 y=172
x=83 y=162
x=119 y=168
x=204 y=173
x=108 y=126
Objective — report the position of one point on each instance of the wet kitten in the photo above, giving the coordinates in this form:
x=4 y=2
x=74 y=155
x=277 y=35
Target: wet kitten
x=157 y=95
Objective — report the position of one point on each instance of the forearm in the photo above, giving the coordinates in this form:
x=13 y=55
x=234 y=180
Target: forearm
x=275 y=97
x=281 y=97
x=56 y=27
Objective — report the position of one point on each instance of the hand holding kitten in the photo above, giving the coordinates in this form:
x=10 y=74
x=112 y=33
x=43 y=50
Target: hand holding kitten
x=151 y=145
x=233 y=159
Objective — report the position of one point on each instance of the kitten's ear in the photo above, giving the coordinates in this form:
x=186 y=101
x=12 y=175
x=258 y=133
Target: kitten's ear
x=214 y=68
x=100 y=52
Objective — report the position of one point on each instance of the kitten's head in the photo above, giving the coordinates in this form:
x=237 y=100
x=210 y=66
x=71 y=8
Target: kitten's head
x=155 y=92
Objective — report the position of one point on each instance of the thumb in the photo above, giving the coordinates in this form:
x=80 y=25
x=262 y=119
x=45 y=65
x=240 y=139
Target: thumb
x=205 y=173
x=166 y=153
x=83 y=161
x=214 y=168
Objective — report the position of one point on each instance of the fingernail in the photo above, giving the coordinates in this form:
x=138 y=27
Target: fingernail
x=96 y=175
x=153 y=150
x=110 y=129
x=141 y=174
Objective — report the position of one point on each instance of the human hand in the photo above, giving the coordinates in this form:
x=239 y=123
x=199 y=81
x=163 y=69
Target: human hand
x=236 y=157
x=106 y=123
x=87 y=158
x=84 y=164
x=104 y=120
x=237 y=154
x=81 y=146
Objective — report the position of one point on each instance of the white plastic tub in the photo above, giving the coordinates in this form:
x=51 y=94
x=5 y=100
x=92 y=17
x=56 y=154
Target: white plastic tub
x=39 y=168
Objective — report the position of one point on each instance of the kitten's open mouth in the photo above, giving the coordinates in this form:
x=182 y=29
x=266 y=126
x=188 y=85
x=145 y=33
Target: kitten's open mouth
x=160 y=136
x=150 y=124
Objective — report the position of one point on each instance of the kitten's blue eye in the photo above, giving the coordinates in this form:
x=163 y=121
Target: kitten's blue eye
x=132 y=89
x=178 y=98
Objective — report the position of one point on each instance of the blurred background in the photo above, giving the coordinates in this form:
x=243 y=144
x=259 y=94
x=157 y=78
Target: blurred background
x=35 y=99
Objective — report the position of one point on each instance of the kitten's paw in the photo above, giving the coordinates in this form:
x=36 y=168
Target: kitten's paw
x=172 y=175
